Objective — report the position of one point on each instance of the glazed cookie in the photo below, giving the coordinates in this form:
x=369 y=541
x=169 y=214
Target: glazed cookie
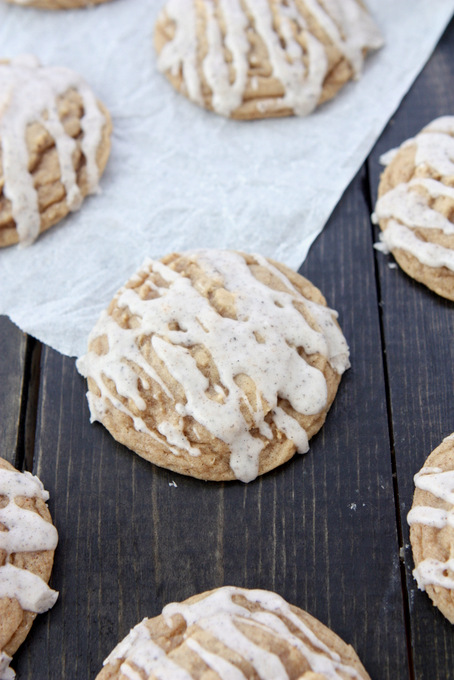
x=215 y=364
x=233 y=633
x=415 y=207
x=54 y=145
x=57 y=4
x=261 y=58
x=431 y=520
x=27 y=544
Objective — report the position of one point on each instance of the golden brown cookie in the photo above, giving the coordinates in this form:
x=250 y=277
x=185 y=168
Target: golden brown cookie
x=431 y=520
x=54 y=146
x=215 y=364
x=27 y=544
x=56 y=4
x=261 y=58
x=415 y=207
x=233 y=633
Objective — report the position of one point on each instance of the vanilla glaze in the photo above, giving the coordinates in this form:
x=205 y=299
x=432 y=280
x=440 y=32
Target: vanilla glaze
x=26 y=531
x=347 y=24
x=261 y=342
x=440 y=484
x=29 y=93
x=220 y=615
x=406 y=209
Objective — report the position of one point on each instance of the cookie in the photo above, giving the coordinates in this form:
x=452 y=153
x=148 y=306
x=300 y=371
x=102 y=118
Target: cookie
x=233 y=633
x=54 y=145
x=57 y=4
x=215 y=364
x=431 y=520
x=252 y=59
x=27 y=544
x=415 y=207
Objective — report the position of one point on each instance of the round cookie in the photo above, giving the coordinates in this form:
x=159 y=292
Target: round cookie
x=250 y=59
x=57 y=4
x=415 y=207
x=27 y=544
x=215 y=364
x=431 y=520
x=233 y=633
x=54 y=145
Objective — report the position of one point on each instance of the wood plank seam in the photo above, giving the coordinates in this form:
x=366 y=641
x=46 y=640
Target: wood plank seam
x=29 y=405
x=400 y=535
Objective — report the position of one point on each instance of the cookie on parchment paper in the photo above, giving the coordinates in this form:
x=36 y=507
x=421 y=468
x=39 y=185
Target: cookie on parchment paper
x=251 y=59
x=235 y=633
x=415 y=207
x=57 y=4
x=27 y=544
x=215 y=364
x=431 y=520
x=54 y=146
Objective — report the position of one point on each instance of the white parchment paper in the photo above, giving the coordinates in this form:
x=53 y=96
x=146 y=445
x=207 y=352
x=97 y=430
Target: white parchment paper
x=180 y=177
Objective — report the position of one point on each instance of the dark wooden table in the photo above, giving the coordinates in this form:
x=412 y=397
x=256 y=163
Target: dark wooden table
x=327 y=531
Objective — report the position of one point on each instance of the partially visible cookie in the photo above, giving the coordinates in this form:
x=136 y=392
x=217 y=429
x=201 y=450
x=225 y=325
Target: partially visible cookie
x=233 y=633
x=431 y=519
x=251 y=59
x=54 y=146
x=27 y=544
x=57 y=4
x=215 y=364
x=415 y=207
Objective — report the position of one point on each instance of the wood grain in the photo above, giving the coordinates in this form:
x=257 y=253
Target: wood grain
x=324 y=531
x=320 y=531
x=418 y=330
x=12 y=375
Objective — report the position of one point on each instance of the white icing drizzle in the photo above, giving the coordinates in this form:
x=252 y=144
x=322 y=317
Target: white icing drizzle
x=32 y=593
x=435 y=149
x=182 y=50
x=26 y=532
x=442 y=124
x=438 y=482
x=138 y=648
x=431 y=517
x=431 y=572
x=350 y=28
x=412 y=208
x=6 y=673
x=430 y=254
x=273 y=365
x=347 y=24
x=30 y=93
x=291 y=428
x=406 y=209
x=219 y=615
x=226 y=96
x=441 y=485
x=224 y=669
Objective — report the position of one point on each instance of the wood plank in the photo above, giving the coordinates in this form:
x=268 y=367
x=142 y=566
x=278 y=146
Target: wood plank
x=12 y=367
x=341 y=264
x=418 y=330
x=320 y=531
